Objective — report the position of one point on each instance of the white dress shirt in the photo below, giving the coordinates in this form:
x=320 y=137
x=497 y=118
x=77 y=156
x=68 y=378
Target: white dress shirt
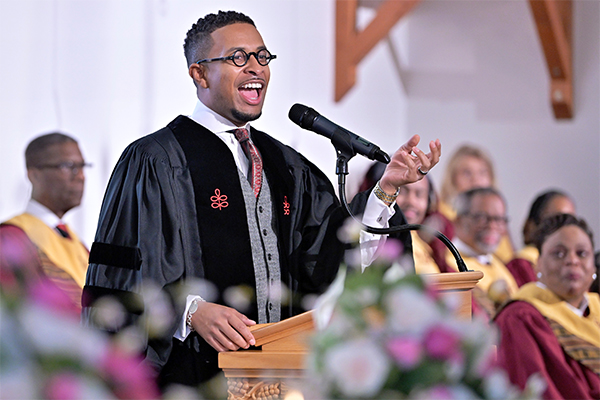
x=44 y=214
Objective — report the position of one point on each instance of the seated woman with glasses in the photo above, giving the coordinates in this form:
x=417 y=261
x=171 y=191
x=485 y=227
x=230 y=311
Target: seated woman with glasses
x=552 y=327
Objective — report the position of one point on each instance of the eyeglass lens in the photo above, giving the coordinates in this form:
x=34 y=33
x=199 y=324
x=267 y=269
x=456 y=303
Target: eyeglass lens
x=68 y=167
x=487 y=219
x=240 y=57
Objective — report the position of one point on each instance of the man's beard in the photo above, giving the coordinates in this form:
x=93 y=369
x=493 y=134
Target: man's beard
x=244 y=117
x=487 y=248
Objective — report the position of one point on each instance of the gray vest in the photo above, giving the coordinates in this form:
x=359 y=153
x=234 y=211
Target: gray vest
x=265 y=253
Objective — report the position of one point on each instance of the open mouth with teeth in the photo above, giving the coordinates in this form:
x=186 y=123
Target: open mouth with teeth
x=251 y=92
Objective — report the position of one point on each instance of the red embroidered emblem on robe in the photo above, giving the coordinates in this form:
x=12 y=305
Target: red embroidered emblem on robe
x=218 y=200
x=286 y=206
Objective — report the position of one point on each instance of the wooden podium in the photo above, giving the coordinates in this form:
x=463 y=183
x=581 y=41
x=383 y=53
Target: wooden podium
x=276 y=364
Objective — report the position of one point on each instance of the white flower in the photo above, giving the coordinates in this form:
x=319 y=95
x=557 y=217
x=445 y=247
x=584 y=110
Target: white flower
x=442 y=392
x=326 y=302
x=410 y=310
x=238 y=297
x=535 y=386
x=483 y=338
x=394 y=273
x=108 y=313
x=159 y=313
x=353 y=258
x=350 y=231
x=358 y=367
x=366 y=296
x=340 y=325
x=20 y=382
x=497 y=386
x=201 y=287
x=52 y=333
x=181 y=392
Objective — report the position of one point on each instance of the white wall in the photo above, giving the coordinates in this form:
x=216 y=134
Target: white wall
x=110 y=71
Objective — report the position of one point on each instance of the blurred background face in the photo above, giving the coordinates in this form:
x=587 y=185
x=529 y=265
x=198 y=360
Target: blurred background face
x=485 y=224
x=471 y=172
x=59 y=189
x=413 y=201
x=566 y=263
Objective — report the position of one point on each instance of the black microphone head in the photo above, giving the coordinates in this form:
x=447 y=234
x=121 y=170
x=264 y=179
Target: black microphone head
x=382 y=156
x=302 y=115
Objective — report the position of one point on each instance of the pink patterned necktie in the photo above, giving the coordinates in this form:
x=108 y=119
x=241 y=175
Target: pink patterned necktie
x=256 y=166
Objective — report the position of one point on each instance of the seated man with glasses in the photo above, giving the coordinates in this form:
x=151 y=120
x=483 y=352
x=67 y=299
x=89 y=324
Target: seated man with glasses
x=37 y=243
x=480 y=224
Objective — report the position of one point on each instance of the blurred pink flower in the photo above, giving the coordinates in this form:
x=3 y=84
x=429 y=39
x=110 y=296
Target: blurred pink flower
x=442 y=343
x=390 y=251
x=46 y=294
x=64 y=386
x=406 y=351
x=131 y=378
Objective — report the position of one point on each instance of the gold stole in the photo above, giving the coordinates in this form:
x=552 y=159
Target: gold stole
x=493 y=272
x=422 y=254
x=529 y=253
x=69 y=255
x=578 y=336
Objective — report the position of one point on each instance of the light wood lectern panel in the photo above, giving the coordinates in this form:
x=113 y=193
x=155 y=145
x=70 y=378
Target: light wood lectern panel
x=277 y=362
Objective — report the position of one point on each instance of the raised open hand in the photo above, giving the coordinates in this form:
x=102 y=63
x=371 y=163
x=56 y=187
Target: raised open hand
x=410 y=164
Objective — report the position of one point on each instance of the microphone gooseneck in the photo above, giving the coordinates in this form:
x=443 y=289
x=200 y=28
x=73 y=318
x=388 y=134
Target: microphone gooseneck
x=460 y=263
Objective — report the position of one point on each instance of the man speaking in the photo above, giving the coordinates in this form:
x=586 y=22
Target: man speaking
x=211 y=197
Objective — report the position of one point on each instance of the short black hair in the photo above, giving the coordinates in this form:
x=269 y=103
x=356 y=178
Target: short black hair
x=553 y=223
x=464 y=200
x=537 y=210
x=198 y=41
x=36 y=149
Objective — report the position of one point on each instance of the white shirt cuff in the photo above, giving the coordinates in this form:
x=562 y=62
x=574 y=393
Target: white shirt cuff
x=183 y=330
x=377 y=214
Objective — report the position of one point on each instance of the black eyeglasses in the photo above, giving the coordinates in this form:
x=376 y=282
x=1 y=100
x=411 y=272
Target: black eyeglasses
x=485 y=219
x=240 y=57
x=67 y=167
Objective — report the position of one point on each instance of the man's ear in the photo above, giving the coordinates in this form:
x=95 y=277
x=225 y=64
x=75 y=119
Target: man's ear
x=198 y=74
x=34 y=175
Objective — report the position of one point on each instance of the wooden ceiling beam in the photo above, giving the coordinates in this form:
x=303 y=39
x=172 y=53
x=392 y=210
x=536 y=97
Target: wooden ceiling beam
x=351 y=46
x=553 y=19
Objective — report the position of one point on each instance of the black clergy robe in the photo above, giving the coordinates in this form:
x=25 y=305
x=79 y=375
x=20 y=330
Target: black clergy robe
x=174 y=209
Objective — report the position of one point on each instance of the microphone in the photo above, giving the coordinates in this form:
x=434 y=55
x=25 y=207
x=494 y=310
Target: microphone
x=307 y=118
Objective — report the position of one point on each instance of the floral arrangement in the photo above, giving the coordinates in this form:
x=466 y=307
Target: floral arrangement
x=45 y=353
x=390 y=336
